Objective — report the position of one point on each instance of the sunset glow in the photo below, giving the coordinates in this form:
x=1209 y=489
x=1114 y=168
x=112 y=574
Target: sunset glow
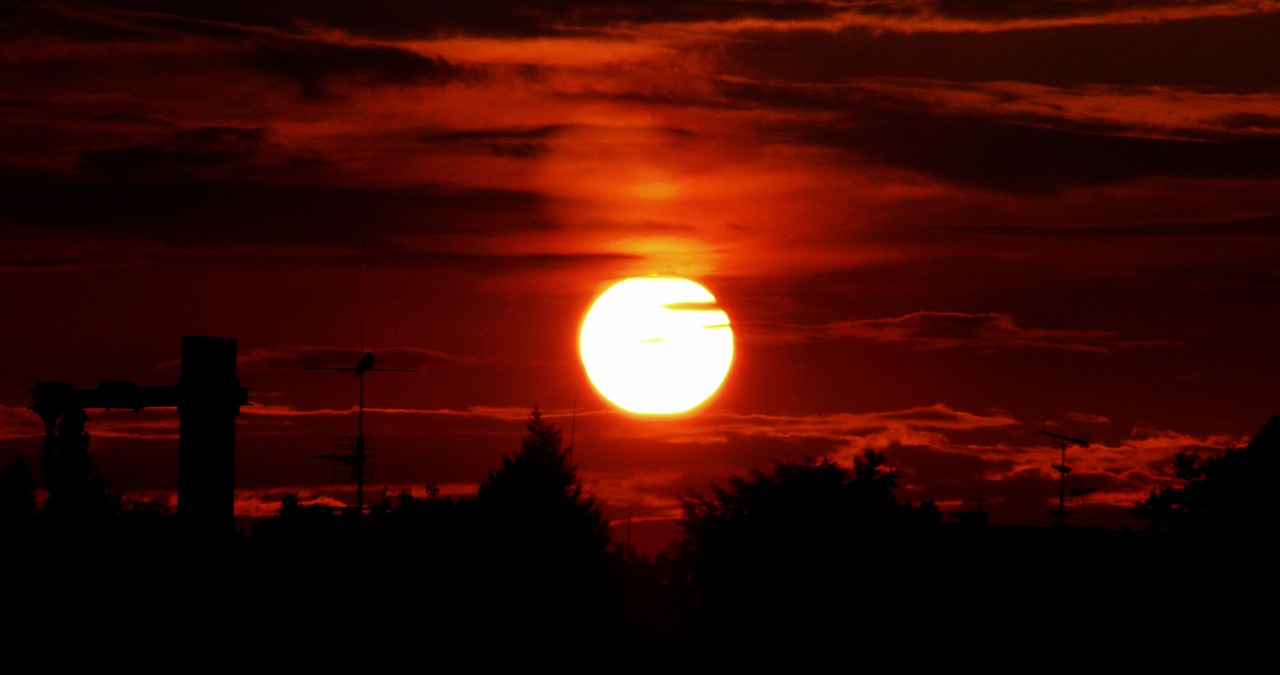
x=939 y=227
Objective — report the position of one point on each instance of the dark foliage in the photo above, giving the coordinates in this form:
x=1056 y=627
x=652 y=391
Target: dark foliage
x=1223 y=493
x=544 y=544
x=777 y=552
x=804 y=503
x=536 y=499
x=17 y=495
x=78 y=498
x=525 y=562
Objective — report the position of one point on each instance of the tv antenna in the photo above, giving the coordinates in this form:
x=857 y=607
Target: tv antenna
x=355 y=461
x=1063 y=442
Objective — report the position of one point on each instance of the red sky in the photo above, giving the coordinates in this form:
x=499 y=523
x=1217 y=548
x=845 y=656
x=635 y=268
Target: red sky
x=936 y=228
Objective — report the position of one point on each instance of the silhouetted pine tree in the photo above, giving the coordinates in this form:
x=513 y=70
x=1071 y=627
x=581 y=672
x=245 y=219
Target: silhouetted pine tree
x=545 y=542
x=536 y=499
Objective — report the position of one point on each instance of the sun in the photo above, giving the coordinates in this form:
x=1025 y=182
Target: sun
x=656 y=345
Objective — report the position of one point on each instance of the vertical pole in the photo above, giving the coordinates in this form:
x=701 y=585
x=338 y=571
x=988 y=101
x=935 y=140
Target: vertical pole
x=1062 y=487
x=573 y=426
x=209 y=400
x=360 y=451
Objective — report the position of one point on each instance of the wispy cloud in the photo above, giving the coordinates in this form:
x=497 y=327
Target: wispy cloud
x=312 y=356
x=923 y=425
x=16 y=422
x=950 y=330
x=294 y=358
x=651 y=494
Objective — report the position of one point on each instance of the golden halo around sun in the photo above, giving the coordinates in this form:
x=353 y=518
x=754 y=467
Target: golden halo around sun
x=656 y=345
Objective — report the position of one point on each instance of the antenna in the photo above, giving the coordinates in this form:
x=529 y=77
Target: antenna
x=358 y=457
x=573 y=425
x=1062 y=469
x=364 y=298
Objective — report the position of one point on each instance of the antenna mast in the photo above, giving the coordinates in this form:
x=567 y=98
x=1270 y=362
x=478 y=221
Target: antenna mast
x=1063 y=442
x=573 y=426
x=358 y=457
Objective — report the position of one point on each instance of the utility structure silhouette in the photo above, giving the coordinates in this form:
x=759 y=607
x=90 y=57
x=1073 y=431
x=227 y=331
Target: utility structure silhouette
x=208 y=397
x=355 y=461
x=1063 y=442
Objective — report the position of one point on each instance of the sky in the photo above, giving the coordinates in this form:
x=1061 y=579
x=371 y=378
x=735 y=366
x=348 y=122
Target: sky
x=936 y=227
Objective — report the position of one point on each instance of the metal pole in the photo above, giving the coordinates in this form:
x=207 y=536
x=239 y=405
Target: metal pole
x=360 y=451
x=1062 y=489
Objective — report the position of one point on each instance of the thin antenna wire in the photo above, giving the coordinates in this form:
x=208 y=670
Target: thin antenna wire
x=573 y=421
x=364 y=293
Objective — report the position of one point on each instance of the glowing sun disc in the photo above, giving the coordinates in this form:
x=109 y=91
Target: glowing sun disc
x=656 y=345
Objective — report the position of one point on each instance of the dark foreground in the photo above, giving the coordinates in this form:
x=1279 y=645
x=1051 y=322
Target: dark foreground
x=953 y=596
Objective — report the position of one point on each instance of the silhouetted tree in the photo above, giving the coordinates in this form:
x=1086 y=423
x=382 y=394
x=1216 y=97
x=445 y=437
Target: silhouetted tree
x=799 y=500
x=1224 y=492
x=545 y=543
x=302 y=525
x=76 y=495
x=775 y=551
x=537 y=499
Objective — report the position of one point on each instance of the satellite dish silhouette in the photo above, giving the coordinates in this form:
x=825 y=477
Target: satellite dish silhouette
x=365 y=365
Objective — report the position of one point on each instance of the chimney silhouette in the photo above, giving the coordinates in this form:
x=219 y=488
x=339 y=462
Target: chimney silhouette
x=209 y=400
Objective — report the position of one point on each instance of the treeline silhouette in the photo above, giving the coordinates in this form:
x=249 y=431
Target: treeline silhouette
x=807 y=554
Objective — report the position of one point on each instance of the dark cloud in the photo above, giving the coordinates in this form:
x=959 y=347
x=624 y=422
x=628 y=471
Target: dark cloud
x=523 y=143
x=709 y=306
x=1249 y=121
x=1005 y=9
x=500 y=263
x=299 y=357
x=314 y=64
x=501 y=135
x=259 y=208
x=1025 y=158
x=201 y=146
x=131 y=120
x=949 y=475
x=1259 y=227
x=173 y=25
x=431 y=18
x=1219 y=53
x=29 y=262
x=941 y=330
x=930 y=416
x=35 y=19
x=1018 y=152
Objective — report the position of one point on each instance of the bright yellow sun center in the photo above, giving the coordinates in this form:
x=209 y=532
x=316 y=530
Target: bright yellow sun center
x=656 y=345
